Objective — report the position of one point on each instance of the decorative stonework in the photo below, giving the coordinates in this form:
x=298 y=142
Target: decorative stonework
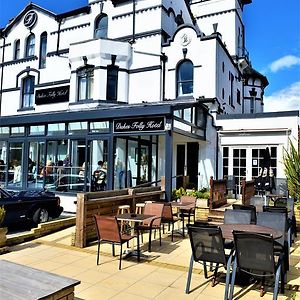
x=185 y=39
x=30 y=19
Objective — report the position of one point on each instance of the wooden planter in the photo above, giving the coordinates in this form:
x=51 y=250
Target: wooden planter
x=3 y=231
x=297 y=216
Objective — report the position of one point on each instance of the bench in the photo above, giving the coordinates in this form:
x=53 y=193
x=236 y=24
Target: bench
x=218 y=191
x=23 y=282
x=248 y=190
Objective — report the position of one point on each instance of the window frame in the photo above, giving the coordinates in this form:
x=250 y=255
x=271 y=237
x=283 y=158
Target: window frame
x=86 y=72
x=31 y=91
x=100 y=31
x=179 y=82
x=17 y=49
x=112 y=77
x=43 y=50
x=30 y=45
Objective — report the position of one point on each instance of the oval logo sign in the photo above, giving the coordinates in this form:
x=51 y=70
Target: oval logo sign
x=30 y=19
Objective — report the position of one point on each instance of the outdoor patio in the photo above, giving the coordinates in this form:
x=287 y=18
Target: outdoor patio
x=161 y=274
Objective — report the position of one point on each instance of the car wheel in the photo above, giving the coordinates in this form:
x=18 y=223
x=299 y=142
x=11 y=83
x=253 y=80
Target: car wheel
x=41 y=215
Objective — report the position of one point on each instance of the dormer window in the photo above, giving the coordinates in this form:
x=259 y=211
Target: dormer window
x=30 y=45
x=101 y=26
x=17 y=49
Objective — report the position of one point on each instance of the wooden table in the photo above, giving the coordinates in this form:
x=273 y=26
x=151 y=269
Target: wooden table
x=19 y=282
x=228 y=228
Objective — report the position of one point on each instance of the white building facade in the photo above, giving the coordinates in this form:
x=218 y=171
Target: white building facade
x=139 y=85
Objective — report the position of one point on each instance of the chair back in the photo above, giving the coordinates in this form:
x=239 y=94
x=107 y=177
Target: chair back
x=237 y=216
x=251 y=208
x=167 y=214
x=286 y=202
x=155 y=209
x=188 y=200
x=207 y=243
x=279 y=209
x=252 y=257
x=275 y=220
x=259 y=202
x=108 y=228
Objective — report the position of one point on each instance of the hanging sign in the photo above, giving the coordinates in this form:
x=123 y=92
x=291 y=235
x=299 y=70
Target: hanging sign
x=52 y=95
x=139 y=124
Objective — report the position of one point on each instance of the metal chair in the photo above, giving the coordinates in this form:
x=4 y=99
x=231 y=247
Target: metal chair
x=155 y=209
x=207 y=246
x=257 y=261
x=237 y=216
x=108 y=230
x=187 y=212
x=259 y=202
x=250 y=208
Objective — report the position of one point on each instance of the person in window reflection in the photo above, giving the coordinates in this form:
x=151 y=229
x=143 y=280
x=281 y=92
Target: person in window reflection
x=2 y=170
x=47 y=172
x=99 y=177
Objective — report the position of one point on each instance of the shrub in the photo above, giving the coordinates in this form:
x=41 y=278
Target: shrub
x=2 y=214
x=203 y=193
x=291 y=160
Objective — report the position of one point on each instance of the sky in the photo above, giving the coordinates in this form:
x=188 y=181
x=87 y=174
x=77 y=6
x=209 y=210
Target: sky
x=272 y=31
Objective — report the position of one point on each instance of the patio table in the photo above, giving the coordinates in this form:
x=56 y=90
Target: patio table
x=228 y=228
x=134 y=218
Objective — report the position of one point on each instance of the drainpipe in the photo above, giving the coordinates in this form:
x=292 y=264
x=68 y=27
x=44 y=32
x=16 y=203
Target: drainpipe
x=164 y=59
x=2 y=72
x=58 y=36
x=133 y=22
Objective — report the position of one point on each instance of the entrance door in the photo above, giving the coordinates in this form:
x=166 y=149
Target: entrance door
x=192 y=164
x=180 y=161
x=239 y=166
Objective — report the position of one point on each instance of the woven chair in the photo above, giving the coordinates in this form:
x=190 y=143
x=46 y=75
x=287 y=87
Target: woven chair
x=250 y=208
x=237 y=216
x=108 y=230
x=169 y=218
x=187 y=212
x=207 y=246
x=155 y=209
x=257 y=261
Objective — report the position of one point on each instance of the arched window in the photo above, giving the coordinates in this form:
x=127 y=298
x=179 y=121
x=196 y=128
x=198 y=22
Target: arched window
x=185 y=78
x=101 y=26
x=28 y=91
x=85 y=81
x=43 y=50
x=17 y=49
x=30 y=44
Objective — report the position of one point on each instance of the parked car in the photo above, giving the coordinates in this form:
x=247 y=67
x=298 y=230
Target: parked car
x=29 y=206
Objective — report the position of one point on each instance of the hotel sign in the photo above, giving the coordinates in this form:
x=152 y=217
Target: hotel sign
x=139 y=125
x=52 y=95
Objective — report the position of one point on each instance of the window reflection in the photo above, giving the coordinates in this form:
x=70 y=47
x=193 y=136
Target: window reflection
x=15 y=164
x=185 y=78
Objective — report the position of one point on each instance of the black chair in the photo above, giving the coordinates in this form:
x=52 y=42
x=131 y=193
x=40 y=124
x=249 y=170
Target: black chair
x=281 y=209
x=207 y=246
x=257 y=261
x=251 y=208
x=277 y=221
x=289 y=204
x=187 y=212
x=237 y=216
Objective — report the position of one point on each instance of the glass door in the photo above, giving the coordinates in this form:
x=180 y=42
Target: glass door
x=239 y=166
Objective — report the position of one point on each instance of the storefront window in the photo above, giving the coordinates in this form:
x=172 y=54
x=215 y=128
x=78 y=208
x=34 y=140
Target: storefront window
x=36 y=160
x=15 y=157
x=3 y=165
x=4 y=131
x=77 y=127
x=17 y=131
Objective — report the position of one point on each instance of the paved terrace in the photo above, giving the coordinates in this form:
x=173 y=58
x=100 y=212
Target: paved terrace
x=161 y=275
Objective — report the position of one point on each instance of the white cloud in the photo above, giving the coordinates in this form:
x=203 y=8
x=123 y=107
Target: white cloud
x=284 y=100
x=284 y=62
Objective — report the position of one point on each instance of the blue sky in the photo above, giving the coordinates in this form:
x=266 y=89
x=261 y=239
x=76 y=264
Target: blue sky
x=272 y=39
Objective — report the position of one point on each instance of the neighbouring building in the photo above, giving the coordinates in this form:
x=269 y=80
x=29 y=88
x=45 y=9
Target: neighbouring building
x=137 y=89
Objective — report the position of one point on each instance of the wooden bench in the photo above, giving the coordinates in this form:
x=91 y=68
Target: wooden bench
x=218 y=190
x=248 y=190
x=22 y=282
x=107 y=203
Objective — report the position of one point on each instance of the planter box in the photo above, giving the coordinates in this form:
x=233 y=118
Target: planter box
x=297 y=216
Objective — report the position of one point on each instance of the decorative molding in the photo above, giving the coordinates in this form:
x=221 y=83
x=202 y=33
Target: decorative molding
x=138 y=11
x=59 y=52
x=52 y=83
x=5 y=45
x=216 y=13
x=71 y=28
x=18 y=61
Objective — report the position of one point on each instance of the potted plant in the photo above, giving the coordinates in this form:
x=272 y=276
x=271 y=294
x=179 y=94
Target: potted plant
x=3 y=230
x=291 y=160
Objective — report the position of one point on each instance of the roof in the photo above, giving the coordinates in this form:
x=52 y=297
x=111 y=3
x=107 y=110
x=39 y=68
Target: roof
x=249 y=72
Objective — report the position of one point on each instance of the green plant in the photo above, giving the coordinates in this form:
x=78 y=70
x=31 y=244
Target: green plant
x=2 y=214
x=291 y=160
x=177 y=193
x=203 y=193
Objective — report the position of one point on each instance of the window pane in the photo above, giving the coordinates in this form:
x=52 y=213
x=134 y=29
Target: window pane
x=99 y=126
x=17 y=131
x=185 y=78
x=43 y=50
x=37 y=130
x=101 y=27
x=58 y=128
x=4 y=131
x=3 y=166
x=77 y=127
x=15 y=156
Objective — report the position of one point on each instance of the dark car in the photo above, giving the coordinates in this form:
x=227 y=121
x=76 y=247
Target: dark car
x=29 y=206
